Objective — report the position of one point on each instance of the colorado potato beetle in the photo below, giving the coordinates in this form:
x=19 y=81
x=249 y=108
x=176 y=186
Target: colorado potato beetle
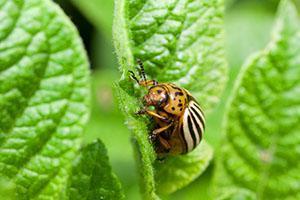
x=179 y=119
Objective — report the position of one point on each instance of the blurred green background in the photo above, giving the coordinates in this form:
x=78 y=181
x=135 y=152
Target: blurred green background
x=247 y=24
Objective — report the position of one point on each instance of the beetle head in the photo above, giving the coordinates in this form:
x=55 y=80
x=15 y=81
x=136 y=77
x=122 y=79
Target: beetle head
x=157 y=96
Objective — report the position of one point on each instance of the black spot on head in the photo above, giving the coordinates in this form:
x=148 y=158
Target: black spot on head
x=174 y=99
x=179 y=100
x=173 y=108
x=178 y=93
x=180 y=105
x=180 y=109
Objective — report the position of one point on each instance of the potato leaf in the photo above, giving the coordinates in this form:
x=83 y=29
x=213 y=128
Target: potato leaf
x=92 y=177
x=44 y=95
x=175 y=173
x=98 y=12
x=179 y=41
x=7 y=189
x=262 y=126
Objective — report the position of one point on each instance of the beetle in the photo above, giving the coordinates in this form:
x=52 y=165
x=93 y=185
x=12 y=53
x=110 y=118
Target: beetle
x=179 y=119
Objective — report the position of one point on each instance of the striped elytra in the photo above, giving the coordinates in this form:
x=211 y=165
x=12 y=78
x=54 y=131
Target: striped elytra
x=179 y=120
x=193 y=125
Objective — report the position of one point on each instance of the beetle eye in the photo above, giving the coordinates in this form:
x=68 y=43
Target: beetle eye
x=159 y=91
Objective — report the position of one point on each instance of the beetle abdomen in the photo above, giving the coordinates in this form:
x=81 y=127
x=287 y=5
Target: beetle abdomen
x=193 y=125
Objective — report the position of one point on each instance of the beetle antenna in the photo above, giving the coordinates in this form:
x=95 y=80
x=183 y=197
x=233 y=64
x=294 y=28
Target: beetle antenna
x=132 y=75
x=141 y=70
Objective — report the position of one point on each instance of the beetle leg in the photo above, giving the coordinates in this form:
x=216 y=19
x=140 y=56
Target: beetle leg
x=164 y=143
x=156 y=132
x=153 y=114
x=176 y=124
x=162 y=129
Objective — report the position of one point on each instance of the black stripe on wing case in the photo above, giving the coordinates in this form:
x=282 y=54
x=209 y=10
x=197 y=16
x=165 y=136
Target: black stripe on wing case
x=199 y=108
x=191 y=130
x=183 y=138
x=197 y=126
x=199 y=117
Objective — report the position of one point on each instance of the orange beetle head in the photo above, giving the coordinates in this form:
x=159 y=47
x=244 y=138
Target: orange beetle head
x=157 y=96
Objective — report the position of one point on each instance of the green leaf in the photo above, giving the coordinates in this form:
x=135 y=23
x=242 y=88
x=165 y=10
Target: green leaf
x=92 y=177
x=143 y=150
x=178 y=172
x=106 y=118
x=179 y=41
x=98 y=12
x=237 y=194
x=261 y=149
x=44 y=95
x=7 y=189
